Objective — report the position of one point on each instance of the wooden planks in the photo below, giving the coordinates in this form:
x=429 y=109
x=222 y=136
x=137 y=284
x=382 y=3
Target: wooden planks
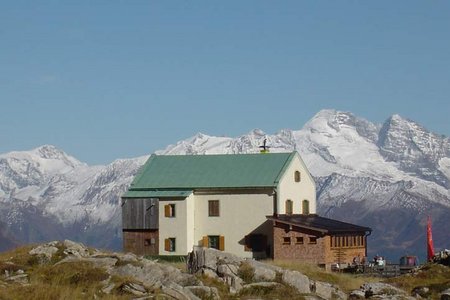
x=140 y=213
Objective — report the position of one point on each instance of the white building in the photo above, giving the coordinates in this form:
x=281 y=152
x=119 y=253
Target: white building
x=218 y=201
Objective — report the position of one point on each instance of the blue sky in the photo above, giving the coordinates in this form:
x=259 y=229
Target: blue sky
x=114 y=79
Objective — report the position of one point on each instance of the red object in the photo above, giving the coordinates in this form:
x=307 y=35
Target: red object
x=430 y=247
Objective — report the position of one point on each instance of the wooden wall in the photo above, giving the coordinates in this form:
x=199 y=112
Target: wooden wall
x=140 y=213
x=141 y=242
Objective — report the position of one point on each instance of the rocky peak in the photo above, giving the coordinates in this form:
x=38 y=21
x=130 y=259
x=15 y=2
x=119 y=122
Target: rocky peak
x=414 y=148
x=330 y=120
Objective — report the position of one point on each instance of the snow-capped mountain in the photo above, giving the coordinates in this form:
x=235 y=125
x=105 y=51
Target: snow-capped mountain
x=387 y=176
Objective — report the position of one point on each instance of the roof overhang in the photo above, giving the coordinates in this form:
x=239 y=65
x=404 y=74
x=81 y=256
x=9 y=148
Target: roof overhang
x=319 y=224
x=158 y=194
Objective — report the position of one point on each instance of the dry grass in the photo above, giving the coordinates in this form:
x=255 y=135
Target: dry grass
x=276 y=292
x=347 y=282
x=246 y=272
x=48 y=281
x=434 y=276
x=220 y=285
x=18 y=256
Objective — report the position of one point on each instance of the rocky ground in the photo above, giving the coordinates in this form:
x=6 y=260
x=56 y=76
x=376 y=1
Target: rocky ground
x=69 y=270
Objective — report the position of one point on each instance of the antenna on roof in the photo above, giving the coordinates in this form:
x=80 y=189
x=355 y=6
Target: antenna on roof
x=264 y=147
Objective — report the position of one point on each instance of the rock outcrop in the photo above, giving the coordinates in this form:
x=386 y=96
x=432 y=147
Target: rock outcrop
x=378 y=290
x=148 y=277
x=239 y=274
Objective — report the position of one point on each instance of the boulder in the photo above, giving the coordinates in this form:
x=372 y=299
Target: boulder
x=421 y=291
x=46 y=250
x=75 y=249
x=264 y=272
x=261 y=284
x=234 y=282
x=380 y=290
x=178 y=292
x=327 y=291
x=123 y=257
x=208 y=258
x=204 y=292
x=209 y=273
x=445 y=295
x=98 y=262
x=227 y=270
x=357 y=295
x=297 y=280
x=154 y=274
x=135 y=289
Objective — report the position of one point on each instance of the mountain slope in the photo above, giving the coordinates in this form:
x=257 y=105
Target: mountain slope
x=388 y=176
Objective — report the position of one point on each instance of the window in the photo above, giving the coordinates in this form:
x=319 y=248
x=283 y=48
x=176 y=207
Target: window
x=213 y=208
x=255 y=242
x=305 y=207
x=169 y=210
x=169 y=244
x=214 y=241
x=287 y=240
x=297 y=177
x=289 y=207
x=299 y=240
x=313 y=240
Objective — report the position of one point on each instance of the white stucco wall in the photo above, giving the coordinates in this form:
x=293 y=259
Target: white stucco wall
x=179 y=227
x=240 y=214
x=296 y=191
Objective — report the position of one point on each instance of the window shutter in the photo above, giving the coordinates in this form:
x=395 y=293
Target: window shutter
x=167 y=210
x=167 y=244
x=221 y=243
x=205 y=241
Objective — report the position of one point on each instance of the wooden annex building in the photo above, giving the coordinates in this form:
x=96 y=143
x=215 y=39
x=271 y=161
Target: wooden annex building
x=314 y=239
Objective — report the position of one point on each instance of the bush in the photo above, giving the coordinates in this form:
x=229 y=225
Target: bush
x=246 y=272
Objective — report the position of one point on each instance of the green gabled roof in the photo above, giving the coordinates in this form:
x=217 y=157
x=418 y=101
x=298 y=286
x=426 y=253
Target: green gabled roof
x=157 y=194
x=212 y=171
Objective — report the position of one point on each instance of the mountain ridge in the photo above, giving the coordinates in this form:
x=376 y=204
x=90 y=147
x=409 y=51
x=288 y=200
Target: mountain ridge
x=361 y=166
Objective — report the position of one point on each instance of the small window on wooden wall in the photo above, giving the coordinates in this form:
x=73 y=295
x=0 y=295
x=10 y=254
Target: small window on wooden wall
x=289 y=207
x=169 y=210
x=297 y=176
x=213 y=208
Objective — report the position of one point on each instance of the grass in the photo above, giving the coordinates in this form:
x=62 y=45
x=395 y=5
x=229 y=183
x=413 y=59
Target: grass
x=81 y=280
x=346 y=282
x=246 y=272
x=177 y=261
x=275 y=292
x=18 y=256
x=434 y=276
x=47 y=281
x=220 y=285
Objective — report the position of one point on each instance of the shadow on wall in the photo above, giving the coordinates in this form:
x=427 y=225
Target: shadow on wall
x=259 y=241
